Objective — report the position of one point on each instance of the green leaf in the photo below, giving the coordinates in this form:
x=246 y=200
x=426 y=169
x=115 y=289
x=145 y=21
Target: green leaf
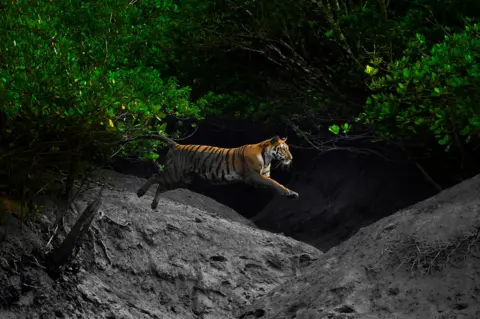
x=335 y=129
x=329 y=33
x=465 y=131
x=161 y=128
x=346 y=128
x=370 y=70
x=444 y=140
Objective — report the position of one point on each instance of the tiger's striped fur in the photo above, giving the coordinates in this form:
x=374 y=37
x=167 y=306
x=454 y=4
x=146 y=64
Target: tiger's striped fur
x=248 y=163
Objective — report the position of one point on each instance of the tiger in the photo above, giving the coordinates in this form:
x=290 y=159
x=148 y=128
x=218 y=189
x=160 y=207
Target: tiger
x=249 y=163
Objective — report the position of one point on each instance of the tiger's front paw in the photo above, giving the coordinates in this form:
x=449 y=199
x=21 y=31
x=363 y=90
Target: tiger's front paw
x=293 y=195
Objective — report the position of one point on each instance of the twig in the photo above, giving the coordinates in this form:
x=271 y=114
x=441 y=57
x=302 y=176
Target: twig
x=103 y=245
x=53 y=235
x=5 y=261
x=118 y=151
x=429 y=258
x=188 y=136
x=428 y=177
x=27 y=285
x=331 y=144
x=105 y=250
x=106 y=45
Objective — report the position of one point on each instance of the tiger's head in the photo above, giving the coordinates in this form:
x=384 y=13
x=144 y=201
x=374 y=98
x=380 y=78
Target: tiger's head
x=280 y=151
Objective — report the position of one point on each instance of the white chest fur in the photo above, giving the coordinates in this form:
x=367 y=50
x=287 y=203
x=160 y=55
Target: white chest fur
x=266 y=170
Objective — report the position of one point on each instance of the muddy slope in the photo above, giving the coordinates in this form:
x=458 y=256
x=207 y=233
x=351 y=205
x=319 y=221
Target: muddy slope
x=422 y=262
x=179 y=261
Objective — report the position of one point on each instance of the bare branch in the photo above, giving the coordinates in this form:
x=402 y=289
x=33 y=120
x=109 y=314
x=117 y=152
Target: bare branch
x=328 y=145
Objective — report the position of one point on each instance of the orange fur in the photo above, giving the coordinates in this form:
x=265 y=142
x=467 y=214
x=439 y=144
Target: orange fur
x=250 y=164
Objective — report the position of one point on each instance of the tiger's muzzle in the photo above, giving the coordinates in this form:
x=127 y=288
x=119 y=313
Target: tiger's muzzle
x=287 y=160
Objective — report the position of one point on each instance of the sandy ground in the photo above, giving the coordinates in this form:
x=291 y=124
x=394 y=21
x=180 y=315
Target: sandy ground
x=191 y=258
x=195 y=258
x=422 y=262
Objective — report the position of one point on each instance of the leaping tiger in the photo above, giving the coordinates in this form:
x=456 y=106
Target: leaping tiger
x=249 y=163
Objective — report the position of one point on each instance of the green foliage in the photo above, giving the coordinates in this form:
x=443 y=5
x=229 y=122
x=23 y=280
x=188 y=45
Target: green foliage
x=429 y=92
x=305 y=61
x=344 y=128
x=75 y=77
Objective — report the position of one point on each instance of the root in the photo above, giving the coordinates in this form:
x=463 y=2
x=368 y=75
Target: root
x=98 y=237
x=63 y=253
x=105 y=251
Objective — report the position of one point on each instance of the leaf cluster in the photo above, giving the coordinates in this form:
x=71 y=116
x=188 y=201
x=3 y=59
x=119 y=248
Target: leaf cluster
x=430 y=91
x=76 y=77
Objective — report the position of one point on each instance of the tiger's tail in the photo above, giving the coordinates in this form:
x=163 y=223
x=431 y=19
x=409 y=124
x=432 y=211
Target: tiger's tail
x=162 y=138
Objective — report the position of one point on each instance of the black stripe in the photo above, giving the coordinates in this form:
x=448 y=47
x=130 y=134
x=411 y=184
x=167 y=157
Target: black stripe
x=175 y=171
x=187 y=166
x=171 y=164
x=201 y=156
x=196 y=155
x=244 y=162
x=208 y=149
x=233 y=160
x=189 y=148
x=227 y=157
x=183 y=158
x=219 y=167
x=177 y=158
x=202 y=165
x=196 y=149
x=178 y=163
x=217 y=158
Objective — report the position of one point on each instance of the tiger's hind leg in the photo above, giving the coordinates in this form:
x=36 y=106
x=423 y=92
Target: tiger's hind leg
x=170 y=183
x=165 y=181
x=162 y=188
x=152 y=180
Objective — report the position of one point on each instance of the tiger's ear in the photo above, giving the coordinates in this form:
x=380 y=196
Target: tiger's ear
x=274 y=140
x=284 y=138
